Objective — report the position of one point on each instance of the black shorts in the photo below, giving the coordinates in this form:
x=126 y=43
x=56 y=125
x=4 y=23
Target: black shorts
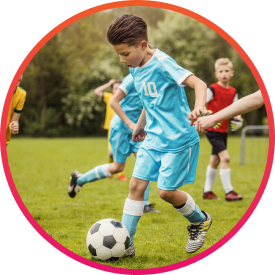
x=217 y=140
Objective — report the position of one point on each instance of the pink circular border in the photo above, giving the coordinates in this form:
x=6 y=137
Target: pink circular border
x=249 y=211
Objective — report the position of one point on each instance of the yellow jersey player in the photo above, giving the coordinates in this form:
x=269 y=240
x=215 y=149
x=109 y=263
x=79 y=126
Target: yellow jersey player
x=16 y=106
x=106 y=97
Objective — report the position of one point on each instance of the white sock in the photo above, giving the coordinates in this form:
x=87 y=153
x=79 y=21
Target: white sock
x=226 y=180
x=188 y=208
x=210 y=178
x=134 y=208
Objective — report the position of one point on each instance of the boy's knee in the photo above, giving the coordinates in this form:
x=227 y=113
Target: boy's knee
x=226 y=160
x=119 y=167
x=134 y=187
x=116 y=167
x=165 y=195
x=214 y=161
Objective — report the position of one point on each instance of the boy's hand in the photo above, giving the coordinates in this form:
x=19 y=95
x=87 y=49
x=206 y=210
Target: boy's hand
x=205 y=122
x=111 y=82
x=132 y=126
x=14 y=127
x=193 y=116
x=138 y=134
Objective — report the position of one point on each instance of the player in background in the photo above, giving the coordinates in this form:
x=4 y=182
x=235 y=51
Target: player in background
x=127 y=105
x=219 y=96
x=16 y=107
x=106 y=97
x=169 y=152
x=242 y=106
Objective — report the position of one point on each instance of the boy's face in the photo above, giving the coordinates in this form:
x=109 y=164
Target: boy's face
x=131 y=56
x=224 y=73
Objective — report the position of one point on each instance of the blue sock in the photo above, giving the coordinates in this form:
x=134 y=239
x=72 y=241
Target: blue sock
x=191 y=211
x=130 y=223
x=146 y=195
x=196 y=216
x=132 y=212
x=97 y=173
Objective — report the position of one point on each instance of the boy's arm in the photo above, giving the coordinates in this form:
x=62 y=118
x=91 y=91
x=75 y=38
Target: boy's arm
x=139 y=134
x=99 y=91
x=242 y=106
x=14 y=125
x=200 y=96
x=114 y=103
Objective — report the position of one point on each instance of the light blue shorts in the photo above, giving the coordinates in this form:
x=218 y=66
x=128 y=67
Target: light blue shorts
x=170 y=170
x=122 y=145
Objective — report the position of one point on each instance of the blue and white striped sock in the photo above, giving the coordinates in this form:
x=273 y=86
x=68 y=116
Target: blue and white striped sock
x=97 y=173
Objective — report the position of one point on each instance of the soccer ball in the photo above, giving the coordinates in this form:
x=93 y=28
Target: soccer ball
x=108 y=239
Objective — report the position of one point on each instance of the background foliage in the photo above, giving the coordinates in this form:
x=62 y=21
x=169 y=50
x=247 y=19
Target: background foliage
x=61 y=77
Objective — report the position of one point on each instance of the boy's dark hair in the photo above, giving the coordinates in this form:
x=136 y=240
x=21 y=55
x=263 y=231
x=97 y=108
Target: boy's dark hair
x=128 y=29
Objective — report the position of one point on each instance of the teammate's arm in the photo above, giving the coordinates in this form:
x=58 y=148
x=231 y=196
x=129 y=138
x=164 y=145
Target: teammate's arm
x=114 y=103
x=200 y=96
x=99 y=91
x=139 y=134
x=242 y=106
x=14 y=123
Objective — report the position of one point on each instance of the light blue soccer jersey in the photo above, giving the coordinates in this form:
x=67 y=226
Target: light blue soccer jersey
x=130 y=104
x=159 y=86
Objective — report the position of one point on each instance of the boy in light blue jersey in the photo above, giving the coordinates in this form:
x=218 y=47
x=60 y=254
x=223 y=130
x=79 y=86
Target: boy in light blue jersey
x=127 y=105
x=170 y=150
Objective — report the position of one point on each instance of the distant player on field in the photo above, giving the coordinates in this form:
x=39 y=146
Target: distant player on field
x=219 y=96
x=242 y=106
x=128 y=107
x=16 y=107
x=106 y=97
x=170 y=150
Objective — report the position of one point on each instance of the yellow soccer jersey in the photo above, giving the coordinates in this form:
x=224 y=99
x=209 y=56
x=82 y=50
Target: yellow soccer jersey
x=16 y=106
x=109 y=111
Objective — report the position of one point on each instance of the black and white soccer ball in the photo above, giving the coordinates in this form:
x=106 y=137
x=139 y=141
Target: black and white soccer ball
x=108 y=239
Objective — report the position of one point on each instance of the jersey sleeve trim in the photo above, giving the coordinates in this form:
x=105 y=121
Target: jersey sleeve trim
x=235 y=98
x=17 y=111
x=210 y=94
x=123 y=89
x=180 y=81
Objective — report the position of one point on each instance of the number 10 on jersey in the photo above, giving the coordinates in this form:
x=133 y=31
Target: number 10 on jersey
x=151 y=88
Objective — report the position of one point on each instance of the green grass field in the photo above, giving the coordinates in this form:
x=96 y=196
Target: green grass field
x=41 y=170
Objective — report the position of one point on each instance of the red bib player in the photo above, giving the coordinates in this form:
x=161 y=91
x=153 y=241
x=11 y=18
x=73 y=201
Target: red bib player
x=219 y=96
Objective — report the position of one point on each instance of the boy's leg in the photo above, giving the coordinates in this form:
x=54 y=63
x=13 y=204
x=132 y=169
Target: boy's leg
x=133 y=208
x=211 y=172
x=178 y=169
x=225 y=174
x=97 y=173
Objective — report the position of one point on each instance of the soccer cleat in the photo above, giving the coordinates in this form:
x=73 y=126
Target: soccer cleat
x=210 y=196
x=73 y=188
x=122 y=178
x=150 y=208
x=233 y=196
x=131 y=251
x=197 y=233
x=111 y=176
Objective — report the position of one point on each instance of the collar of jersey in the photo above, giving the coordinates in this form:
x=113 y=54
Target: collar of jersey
x=155 y=50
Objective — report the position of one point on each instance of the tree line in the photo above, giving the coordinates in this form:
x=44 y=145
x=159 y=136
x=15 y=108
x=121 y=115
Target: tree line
x=61 y=77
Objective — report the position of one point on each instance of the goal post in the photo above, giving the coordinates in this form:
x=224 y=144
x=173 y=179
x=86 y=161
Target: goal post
x=256 y=132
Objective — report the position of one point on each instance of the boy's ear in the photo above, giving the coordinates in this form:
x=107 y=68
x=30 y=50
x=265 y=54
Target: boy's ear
x=143 y=44
x=232 y=73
